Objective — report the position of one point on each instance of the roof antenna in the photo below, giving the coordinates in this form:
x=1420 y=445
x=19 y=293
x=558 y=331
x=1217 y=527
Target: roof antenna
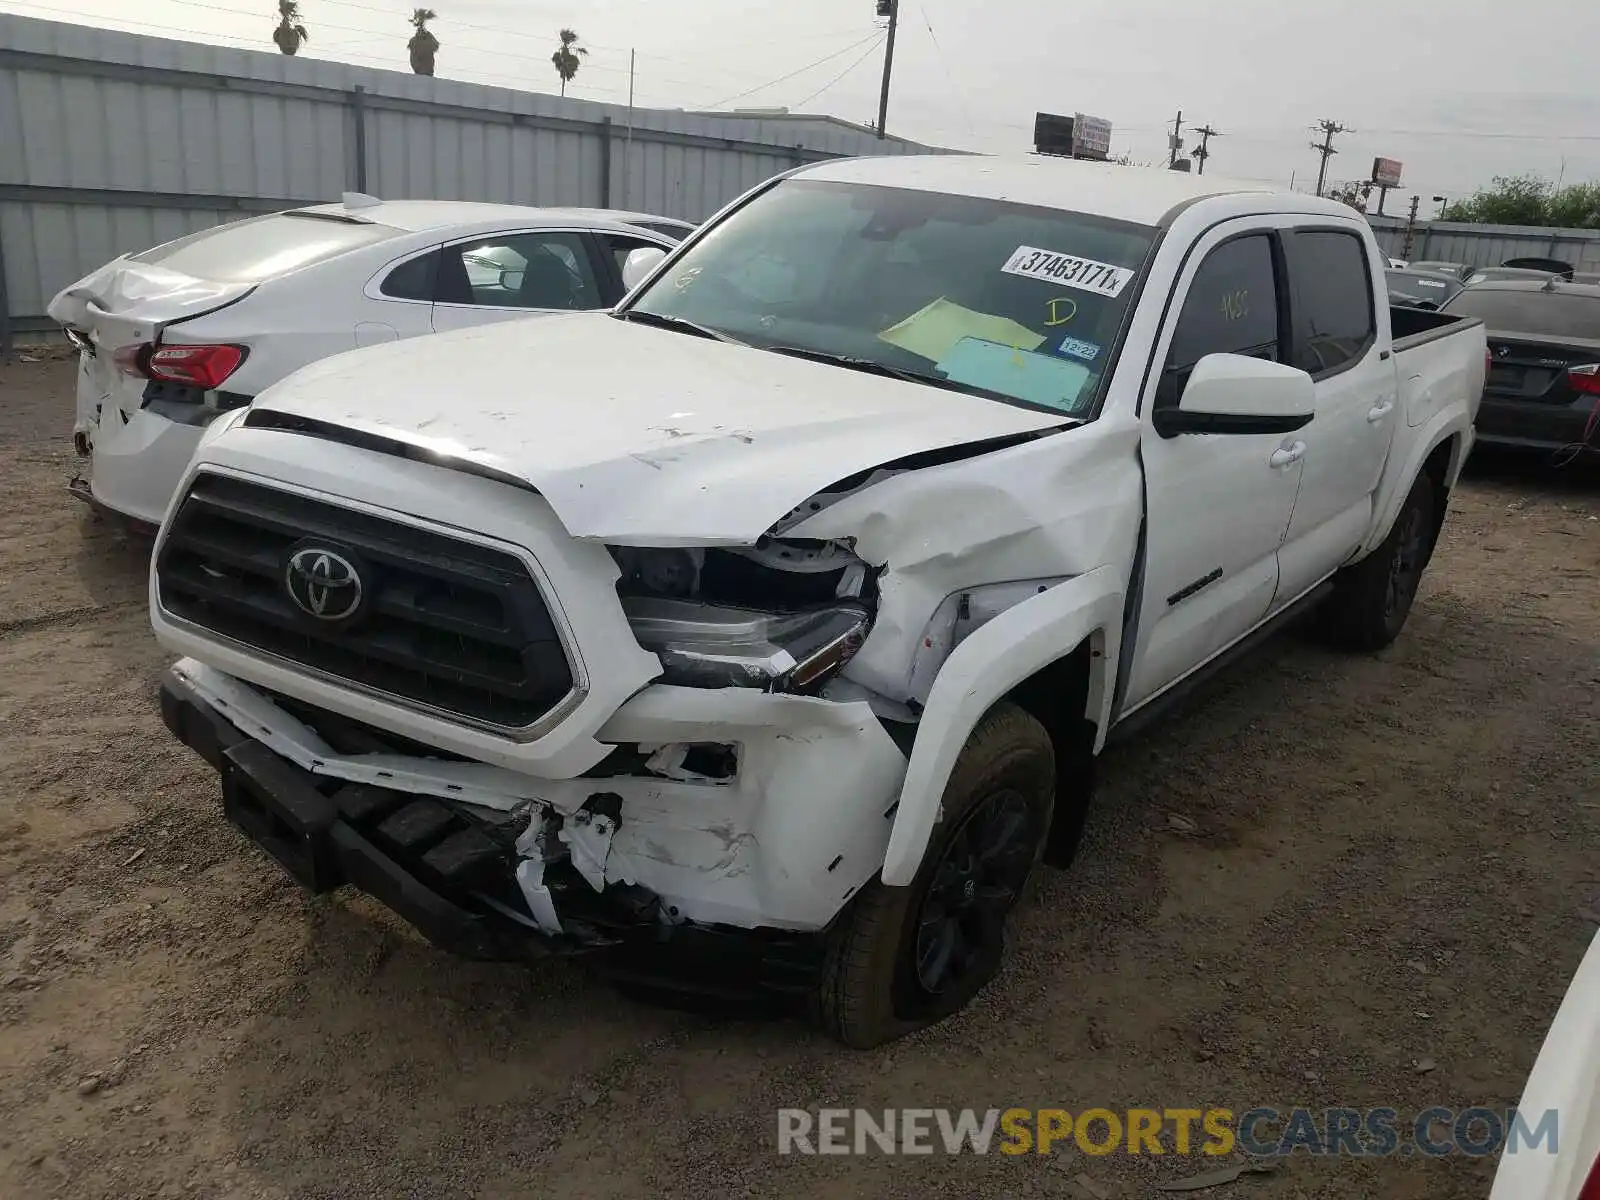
x=359 y=200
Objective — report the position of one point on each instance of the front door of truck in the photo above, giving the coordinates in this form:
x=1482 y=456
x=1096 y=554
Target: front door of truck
x=1217 y=504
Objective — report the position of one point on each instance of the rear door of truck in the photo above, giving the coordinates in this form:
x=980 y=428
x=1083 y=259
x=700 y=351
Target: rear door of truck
x=1341 y=338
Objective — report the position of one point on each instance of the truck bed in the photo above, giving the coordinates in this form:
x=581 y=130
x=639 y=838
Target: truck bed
x=1412 y=327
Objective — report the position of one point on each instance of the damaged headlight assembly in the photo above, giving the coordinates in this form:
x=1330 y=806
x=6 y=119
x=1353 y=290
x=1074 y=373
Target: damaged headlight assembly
x=710 y=645
x=783 y=615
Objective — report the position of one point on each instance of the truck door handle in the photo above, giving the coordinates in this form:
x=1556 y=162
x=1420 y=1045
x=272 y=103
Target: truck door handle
x=1379 y=411
x=1287 y=455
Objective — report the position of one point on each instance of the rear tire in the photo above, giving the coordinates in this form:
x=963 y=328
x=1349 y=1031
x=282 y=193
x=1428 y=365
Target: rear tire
x=905 y=958
x=1372 y=599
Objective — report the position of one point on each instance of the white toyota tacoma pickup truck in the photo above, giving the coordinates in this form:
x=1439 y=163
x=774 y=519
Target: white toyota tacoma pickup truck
x=761 y=633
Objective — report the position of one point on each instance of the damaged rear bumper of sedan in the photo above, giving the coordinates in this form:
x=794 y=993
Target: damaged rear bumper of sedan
x=471 y=877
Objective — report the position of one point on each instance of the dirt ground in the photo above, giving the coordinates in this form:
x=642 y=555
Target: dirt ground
x=1330 y=870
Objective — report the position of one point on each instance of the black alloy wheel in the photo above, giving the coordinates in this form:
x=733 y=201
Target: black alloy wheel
x=976 y=883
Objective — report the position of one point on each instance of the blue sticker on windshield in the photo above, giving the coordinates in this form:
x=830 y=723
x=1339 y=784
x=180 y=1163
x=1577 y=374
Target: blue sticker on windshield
x=1042 y=379
x=1073 y=348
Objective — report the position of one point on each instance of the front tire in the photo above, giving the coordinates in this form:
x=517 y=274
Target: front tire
x=1372 y=599
x=908 y=957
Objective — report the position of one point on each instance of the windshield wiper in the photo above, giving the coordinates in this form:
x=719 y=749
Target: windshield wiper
x=870 y=365
x=681 y=324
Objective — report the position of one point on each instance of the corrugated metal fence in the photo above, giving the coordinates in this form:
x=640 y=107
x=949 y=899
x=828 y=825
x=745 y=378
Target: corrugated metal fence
x=111 y=142
x=1487 y=245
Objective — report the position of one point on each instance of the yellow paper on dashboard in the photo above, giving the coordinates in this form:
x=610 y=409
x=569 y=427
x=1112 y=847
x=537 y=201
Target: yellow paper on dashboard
x=934 y=331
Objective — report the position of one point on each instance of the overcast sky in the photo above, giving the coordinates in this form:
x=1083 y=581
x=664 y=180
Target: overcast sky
x=1423 y=81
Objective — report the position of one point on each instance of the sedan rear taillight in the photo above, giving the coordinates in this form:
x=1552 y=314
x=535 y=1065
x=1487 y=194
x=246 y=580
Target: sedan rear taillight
x=203 y=367
x=130 y=359
x=1585 y=379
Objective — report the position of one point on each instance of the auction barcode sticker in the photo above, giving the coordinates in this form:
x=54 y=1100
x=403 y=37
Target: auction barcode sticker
x=1068 y=270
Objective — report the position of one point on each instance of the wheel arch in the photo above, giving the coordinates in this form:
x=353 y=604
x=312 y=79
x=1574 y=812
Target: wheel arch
x=1440 y=450
x=1054 y=655
x=1442 y=468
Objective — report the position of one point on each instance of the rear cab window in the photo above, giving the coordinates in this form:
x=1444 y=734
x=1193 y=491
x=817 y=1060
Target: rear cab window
x=261 y=248
x=1333 y=299
x=1006 y=301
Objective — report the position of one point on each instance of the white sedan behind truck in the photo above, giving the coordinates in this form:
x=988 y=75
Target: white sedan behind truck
x=173 y=336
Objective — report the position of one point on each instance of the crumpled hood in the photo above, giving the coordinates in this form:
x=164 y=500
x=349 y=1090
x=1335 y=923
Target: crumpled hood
x=635 y=434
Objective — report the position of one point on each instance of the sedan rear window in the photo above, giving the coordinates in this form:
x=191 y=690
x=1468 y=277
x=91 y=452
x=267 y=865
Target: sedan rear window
x=261 y=248
x=1553 y=314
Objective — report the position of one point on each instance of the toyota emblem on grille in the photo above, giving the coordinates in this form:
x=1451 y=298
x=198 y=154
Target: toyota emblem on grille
x=323 y=583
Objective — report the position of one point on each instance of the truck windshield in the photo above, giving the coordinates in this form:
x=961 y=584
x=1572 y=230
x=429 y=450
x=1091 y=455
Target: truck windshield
x=1002 y=300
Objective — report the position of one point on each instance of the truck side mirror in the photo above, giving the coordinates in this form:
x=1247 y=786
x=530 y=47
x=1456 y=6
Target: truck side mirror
x=637 y=266
x=1234 y=393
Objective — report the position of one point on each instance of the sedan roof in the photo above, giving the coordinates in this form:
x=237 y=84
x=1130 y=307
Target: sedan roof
x=1553 y=283
x=420 y=216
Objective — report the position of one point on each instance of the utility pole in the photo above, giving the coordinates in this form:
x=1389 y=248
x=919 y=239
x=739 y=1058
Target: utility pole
x=1175 y=142
x=1411 y=228
x=627 y=152
x=1201 y=153
x=1329 y=129
x=890 y=9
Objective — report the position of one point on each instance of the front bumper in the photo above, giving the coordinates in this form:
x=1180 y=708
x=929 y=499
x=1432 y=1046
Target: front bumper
x=327 y=834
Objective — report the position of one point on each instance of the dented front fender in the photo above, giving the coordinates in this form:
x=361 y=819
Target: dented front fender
x=980 y=672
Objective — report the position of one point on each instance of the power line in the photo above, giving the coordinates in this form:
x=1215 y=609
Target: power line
x=870 y=51
x=505 y=31
x=799 y=71
x=959 y=89
x=211 y=38
x=590 y=68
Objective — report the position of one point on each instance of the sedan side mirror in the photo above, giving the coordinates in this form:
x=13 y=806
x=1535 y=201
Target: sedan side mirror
x=1234 y=393
x=636 y=268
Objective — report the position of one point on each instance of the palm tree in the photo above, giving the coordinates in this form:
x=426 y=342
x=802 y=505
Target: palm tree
x=566 y=58
x=423 y=45
x=289 y=34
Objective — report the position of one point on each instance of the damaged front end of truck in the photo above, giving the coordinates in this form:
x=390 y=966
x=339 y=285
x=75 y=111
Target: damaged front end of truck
x=628 y=689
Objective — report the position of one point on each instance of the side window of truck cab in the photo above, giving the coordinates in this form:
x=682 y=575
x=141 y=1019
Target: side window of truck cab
x=1233 y=307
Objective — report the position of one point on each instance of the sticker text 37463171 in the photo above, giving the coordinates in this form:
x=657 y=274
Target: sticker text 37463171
x=1068 y=270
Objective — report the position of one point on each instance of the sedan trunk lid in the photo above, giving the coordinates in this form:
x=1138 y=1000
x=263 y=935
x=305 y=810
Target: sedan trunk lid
x=128 y=303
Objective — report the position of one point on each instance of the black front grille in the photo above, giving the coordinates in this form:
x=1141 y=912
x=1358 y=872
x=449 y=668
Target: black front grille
x=446 y=623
